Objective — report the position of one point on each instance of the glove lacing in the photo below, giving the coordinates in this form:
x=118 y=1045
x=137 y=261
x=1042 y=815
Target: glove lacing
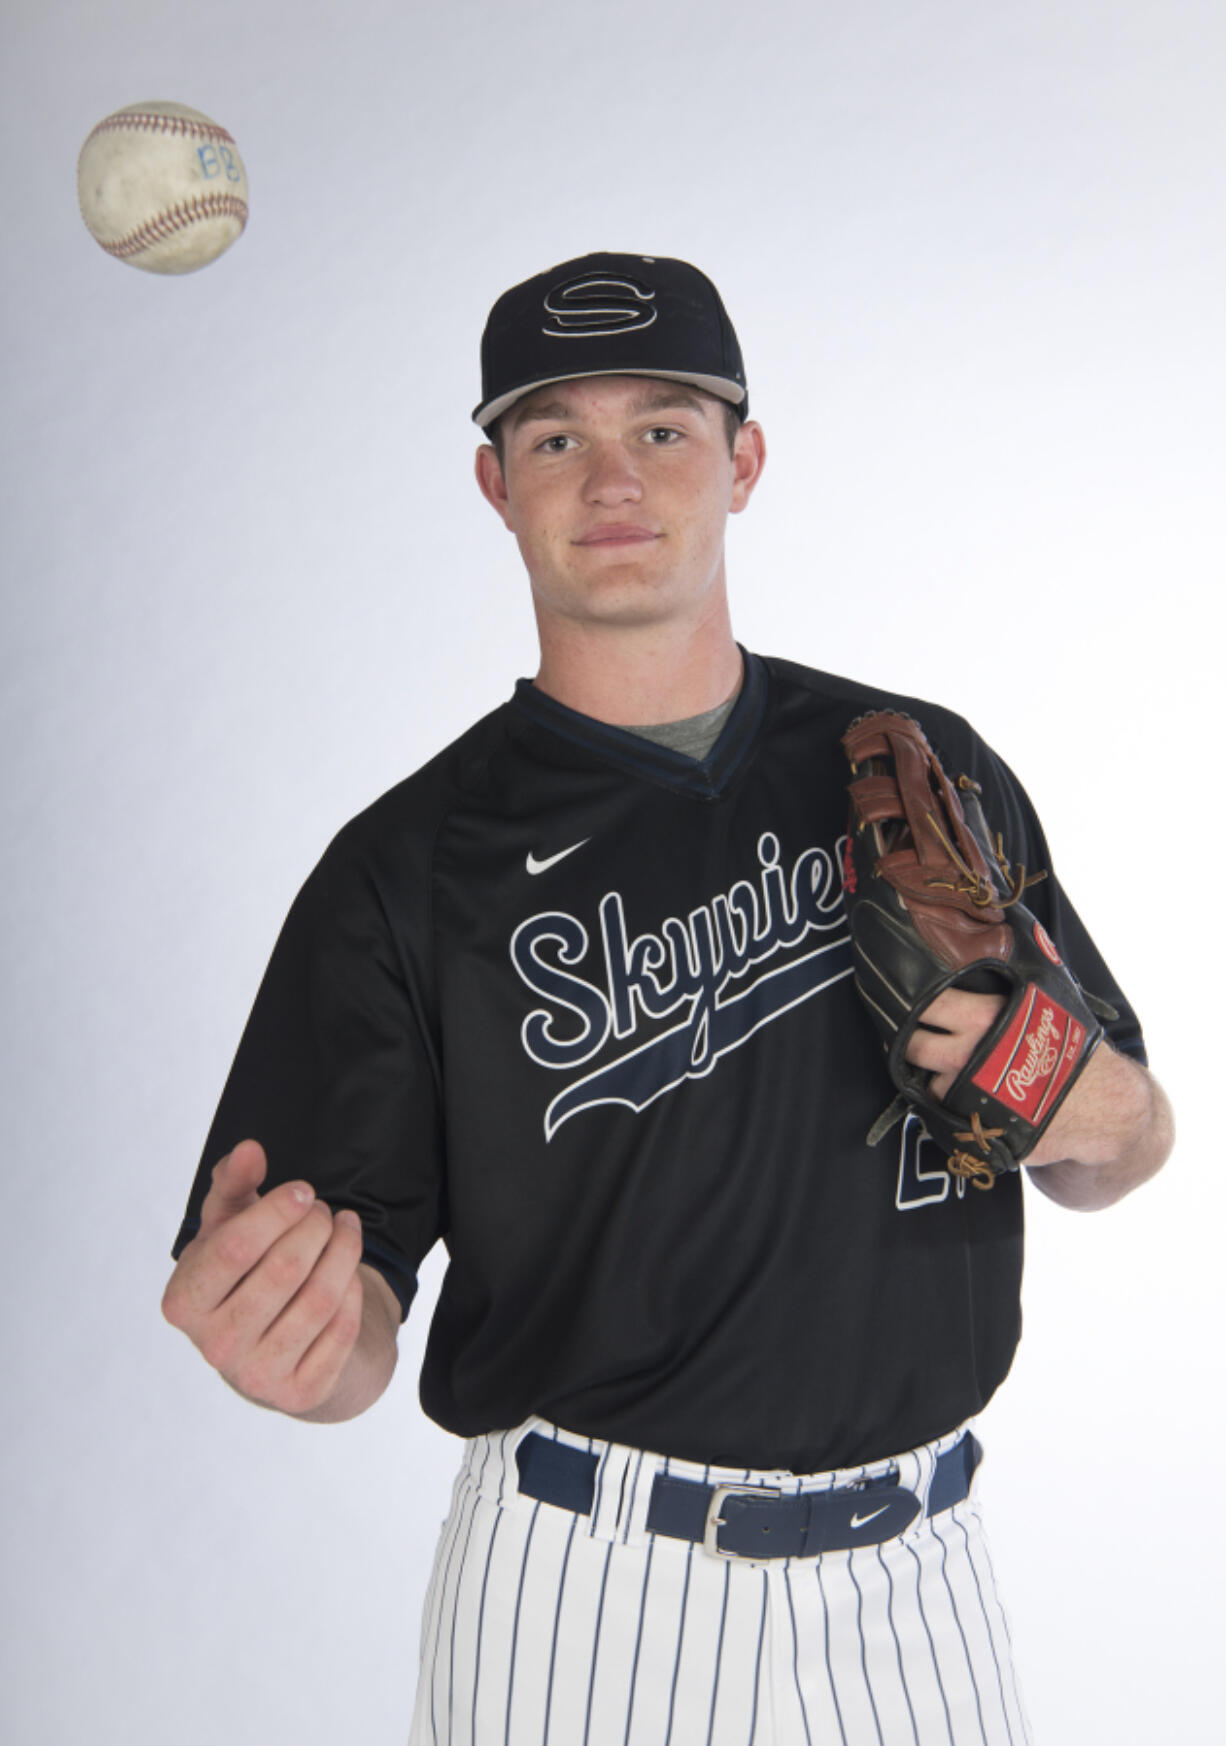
x=965 y=1164
x=976 y=886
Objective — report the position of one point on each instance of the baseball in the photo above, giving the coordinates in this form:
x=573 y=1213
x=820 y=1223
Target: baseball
x=162 y=187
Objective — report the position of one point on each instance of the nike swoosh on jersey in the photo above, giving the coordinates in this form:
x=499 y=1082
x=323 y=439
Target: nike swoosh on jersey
x=535 y=866
x=862 y=1521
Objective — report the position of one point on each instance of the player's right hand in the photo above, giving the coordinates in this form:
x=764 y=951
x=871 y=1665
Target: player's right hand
x=268 y=1289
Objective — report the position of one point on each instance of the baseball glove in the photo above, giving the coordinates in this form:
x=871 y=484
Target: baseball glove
x=933 y=903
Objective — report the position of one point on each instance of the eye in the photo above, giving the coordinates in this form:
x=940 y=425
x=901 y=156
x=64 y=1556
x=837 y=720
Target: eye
x=661 y=435
x=555 y=445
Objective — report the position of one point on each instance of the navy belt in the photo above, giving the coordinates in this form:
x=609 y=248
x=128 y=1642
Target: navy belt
x=755 y=1521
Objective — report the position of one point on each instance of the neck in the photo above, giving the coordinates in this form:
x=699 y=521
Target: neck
x=632 y=676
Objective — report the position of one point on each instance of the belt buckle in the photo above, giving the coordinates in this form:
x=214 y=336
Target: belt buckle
x=710 y=1538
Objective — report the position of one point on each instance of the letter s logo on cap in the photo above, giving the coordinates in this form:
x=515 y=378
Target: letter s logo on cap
x=596 y=305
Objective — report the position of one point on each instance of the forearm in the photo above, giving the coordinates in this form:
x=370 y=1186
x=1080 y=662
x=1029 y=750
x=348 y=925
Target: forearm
x=1114 y=1132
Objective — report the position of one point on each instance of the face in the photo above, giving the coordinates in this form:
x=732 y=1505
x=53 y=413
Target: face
x=618 y=489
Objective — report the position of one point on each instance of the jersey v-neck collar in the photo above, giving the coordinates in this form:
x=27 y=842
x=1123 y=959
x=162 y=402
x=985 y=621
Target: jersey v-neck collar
x=706 y=779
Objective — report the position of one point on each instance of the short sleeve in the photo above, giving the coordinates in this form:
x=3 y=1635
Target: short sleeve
x=1007 y=808
x=336 y=1074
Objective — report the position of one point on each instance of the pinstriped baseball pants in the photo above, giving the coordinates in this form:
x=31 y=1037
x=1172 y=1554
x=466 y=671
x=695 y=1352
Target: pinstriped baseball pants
x=545 y=1628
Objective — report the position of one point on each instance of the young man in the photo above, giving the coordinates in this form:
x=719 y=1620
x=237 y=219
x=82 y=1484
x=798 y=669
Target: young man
x=576 y=999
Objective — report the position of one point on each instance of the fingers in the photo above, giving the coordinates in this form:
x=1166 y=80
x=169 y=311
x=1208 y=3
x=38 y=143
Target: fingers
x=235 y=1181
x=957 y=1010
x=284 y=1334
x=220 y=1256
x=268 y=1290
x=298 y=1306
x=318 y=1369
x=964 y=1019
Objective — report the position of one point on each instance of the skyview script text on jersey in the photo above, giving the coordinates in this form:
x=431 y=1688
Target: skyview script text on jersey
x=688 y=963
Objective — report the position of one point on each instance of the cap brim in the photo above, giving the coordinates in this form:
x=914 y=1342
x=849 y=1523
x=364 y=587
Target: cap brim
x=720 y=386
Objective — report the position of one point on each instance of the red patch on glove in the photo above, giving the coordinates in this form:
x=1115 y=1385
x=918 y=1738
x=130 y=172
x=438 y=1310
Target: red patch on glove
x=1034 y=1059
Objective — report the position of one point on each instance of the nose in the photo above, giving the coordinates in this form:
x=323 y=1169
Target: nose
x=612 y=477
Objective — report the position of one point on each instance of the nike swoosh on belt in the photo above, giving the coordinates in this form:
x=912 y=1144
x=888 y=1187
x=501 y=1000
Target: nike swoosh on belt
x=861 y=1521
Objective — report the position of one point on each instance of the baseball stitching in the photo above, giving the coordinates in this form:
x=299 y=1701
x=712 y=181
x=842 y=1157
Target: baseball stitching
x=156 y=230
x=162 y=124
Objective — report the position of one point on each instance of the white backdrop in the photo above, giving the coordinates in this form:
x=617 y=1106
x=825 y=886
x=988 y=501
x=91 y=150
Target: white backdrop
x=975 y=255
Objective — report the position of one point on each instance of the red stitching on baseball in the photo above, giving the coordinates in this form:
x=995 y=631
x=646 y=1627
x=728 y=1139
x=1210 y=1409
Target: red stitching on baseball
x=161 y=124
x=178 y=218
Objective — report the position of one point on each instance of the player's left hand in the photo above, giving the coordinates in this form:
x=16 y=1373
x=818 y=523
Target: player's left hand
x=959 y=1021
x=1113 y=1131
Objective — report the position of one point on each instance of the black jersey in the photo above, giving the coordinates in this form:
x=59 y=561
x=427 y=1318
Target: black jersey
x=581 y=1008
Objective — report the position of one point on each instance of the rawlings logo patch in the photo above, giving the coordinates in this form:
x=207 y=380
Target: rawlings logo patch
x=1034 y=1059
x=1041 y=1055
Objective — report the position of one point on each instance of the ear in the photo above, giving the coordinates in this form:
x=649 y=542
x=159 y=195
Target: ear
x=748 y=460
x=492 y=483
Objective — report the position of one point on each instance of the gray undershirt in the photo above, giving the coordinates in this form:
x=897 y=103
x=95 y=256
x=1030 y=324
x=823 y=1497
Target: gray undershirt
x=694 y=736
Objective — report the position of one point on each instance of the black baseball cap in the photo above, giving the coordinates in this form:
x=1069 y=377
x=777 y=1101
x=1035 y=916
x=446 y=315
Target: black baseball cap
x=609 y=315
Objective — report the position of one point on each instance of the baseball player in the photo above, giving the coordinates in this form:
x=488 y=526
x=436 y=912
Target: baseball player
x=577 y=1000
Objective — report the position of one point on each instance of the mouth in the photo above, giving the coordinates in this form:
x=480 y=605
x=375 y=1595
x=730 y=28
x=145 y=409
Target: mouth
x=618 y=534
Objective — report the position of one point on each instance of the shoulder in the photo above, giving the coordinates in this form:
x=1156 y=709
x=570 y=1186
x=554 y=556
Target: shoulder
x=807 y=688
x=411 y=811
x=389 y=845
x=832 y=702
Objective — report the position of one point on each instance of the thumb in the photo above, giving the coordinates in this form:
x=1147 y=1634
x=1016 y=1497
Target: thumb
x=236 y=1179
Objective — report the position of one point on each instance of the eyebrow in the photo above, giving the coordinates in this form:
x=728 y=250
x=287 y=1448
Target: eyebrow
x=653 y=400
